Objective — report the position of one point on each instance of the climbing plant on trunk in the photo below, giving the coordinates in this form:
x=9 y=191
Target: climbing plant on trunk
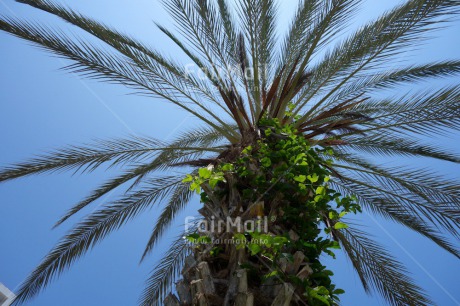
x=284 y=143
x=268 y=215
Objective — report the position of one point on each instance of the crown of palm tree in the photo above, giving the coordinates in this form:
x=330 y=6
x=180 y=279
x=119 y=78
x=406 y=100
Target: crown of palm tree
x=332 y=96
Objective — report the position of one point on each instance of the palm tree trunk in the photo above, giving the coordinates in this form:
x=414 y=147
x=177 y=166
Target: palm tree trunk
x=284 y=271
x=233 y=277
x=210 y=283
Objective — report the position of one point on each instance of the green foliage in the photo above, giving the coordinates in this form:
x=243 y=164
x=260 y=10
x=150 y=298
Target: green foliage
x=292 y=167
x=208 y=176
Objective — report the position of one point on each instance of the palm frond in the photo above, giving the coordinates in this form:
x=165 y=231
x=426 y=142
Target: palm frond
x=391 y=210
x=121 y=42
x=104 y=189
x=378 y=270
x=201 y=137
x=258 y=23
x=161 y=279
x=93 y=62
x=167 y=158
x=377 y=201
x=425 y=113
x=92 y=230
x=195 y=30
x=329 y=19
x=87 y=157
x=140 y=171
x=180 y=197
x=424 y=182
x=396 y=77
x=118 y=152
x=296 y=37
x=444 y=214
x=229 y=26
x=191 y=20
x=136 y=51
x=220 y=39
x=391 y=145
x=201 y=64
x=399 y=28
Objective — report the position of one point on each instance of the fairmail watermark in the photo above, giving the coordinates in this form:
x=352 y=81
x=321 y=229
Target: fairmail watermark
x=223 y=72
x=228 y=224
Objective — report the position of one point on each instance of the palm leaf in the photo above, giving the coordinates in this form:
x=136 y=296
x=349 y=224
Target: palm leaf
x=391 y=145
x=378 y=270
x=258 y=22
x=90 y=231
x=376 y=41
x=87 y=157
x=124 y=44
x=329 y=19
x=397 y=191
x=297 y=35
x=161 y=279
x=165 y=159
x=229 y=26
x=93 y=62
x=376 y=200
x=424 y=113
x=390 y=79
x=180 y=197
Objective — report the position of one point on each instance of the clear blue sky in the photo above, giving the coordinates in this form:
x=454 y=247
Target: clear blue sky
x=43 y=108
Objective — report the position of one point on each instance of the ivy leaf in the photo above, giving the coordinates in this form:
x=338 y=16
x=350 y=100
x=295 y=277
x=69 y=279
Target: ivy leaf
x=321 y=290
x=271 y=274
x=204 y=173
x=333 y=215
x=338 y=291
x=213 y=182
x=240 y=237
x=313 y=178
x=300 y=178
x=188 y=178
x=310 y=245
x=335 y=245
x=316 y=295
x=300 y=156
x=227 y=167
x=340 y=225
x=247 y=150
x=254 y=248
x=320 y=190
x=192 y=237
x=279 y=240
x=266 y=162
x=330 y=253
x=195 y=187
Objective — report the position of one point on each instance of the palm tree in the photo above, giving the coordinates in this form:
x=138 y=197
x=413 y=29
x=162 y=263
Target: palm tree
x=287 y=128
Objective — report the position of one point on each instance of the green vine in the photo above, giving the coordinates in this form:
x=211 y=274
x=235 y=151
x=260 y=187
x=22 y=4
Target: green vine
x=283 y=163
